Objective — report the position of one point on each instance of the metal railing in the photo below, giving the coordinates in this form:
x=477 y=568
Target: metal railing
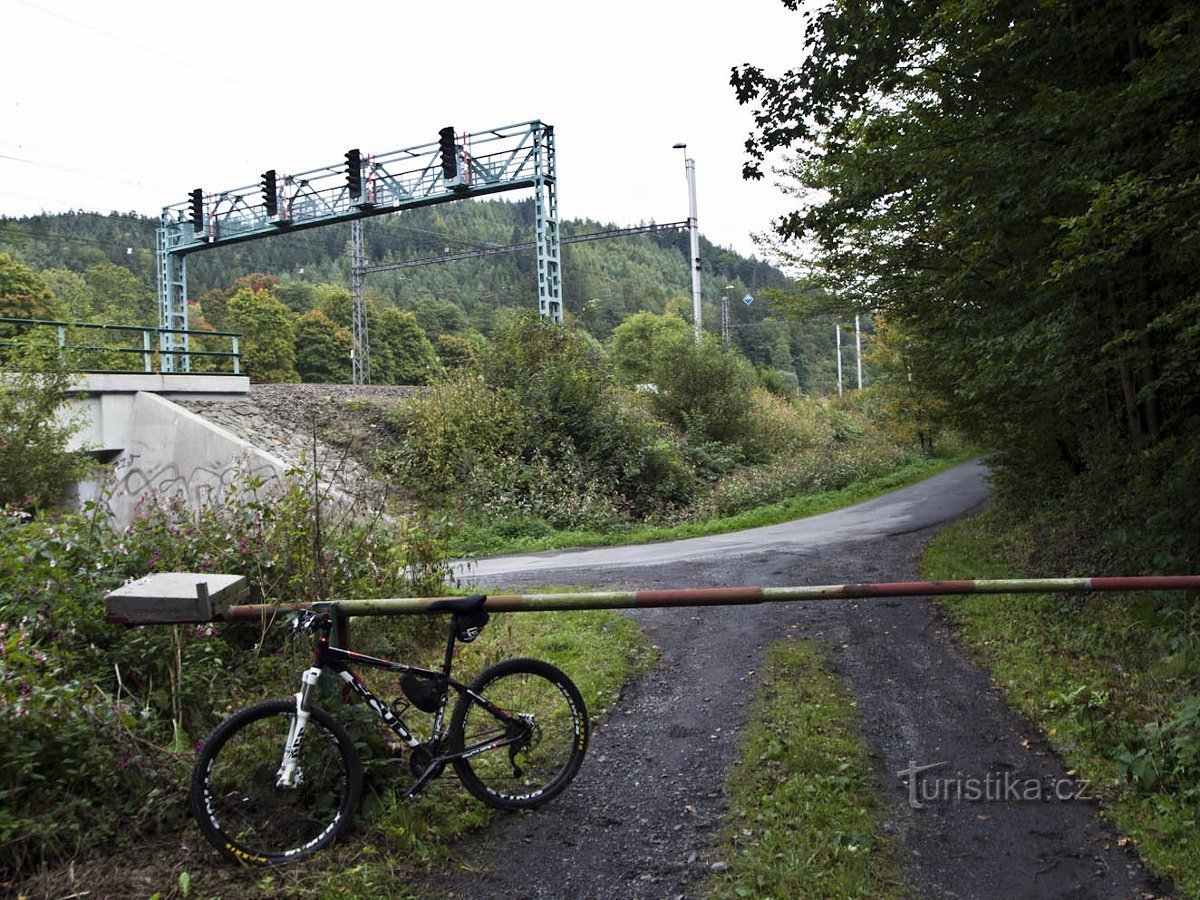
x=98 y=348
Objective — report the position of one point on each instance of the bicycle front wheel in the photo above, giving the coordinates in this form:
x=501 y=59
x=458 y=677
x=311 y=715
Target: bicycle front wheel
x=237 y=803
x=528 y=745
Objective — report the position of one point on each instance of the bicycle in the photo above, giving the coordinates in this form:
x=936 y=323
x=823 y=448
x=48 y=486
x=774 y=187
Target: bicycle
x=279 y=780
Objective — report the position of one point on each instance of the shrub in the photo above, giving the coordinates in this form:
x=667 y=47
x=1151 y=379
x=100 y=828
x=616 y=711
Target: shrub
x=100 y=720
x=544 y=433
x=638 y=341
x=35 y=465
x=705 y=385
x=556 y=375
x=447 y=430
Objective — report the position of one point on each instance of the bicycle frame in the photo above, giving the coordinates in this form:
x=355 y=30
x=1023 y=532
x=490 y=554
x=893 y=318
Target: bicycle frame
x=338 y=660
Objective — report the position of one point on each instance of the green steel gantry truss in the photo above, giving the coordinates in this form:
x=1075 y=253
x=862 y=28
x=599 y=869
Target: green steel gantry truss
x=455 y=167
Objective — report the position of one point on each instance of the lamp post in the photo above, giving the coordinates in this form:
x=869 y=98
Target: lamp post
x=689 y=166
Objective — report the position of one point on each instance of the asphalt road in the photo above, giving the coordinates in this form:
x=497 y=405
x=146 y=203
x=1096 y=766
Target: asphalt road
x=640 y=819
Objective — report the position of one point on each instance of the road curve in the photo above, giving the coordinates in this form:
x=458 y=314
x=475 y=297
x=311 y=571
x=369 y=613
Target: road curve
x=943 y=497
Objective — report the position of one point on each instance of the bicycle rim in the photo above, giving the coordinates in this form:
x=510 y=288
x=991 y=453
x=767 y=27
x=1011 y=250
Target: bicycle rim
x=539 y=753
x=235 y=799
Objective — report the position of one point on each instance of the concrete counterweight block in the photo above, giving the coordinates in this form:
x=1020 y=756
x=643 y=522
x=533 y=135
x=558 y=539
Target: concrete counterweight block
x=171 y=598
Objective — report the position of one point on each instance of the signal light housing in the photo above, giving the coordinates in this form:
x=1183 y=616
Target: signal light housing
x=197 y=210
x=354 y=173
x=270 y=192
x=449 y=151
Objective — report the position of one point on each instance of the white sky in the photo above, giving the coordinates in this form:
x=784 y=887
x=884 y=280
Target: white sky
x=127 y=105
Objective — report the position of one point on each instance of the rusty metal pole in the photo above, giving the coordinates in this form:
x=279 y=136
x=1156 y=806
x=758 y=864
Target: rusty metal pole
x=753 y=595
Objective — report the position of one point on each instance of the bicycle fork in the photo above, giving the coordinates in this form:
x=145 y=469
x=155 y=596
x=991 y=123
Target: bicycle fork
x=290 y=775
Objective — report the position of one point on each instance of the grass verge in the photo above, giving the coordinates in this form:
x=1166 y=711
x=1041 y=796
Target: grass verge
x=1105 y=676
x=489 y=538
x=804 y=819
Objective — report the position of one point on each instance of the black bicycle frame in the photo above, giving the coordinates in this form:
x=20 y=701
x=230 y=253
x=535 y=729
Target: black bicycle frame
x=338 y=660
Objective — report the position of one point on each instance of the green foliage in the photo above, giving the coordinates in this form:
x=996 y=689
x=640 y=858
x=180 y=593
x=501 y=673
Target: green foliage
x=400 y=351
x=23 y=295
x=268 y=335
x=703 y=387
x=541 y=435
x=450 y=429
x=455 y=352
x=1112 y=679
x=35 y=465
x=638 y=342
x=1013 y=187
x=100 y=719
x=812 y=446
x=557 y=377
x=119 y=297
x=322 y=349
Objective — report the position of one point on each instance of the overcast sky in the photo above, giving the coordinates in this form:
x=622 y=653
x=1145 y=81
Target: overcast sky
x=127 y=105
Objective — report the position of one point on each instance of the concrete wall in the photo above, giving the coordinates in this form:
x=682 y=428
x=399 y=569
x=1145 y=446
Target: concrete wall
x=157 y=447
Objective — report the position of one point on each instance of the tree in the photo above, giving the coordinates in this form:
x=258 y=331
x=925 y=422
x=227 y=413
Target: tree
x=119 y=297
x=35 y=465
x=23 y=294
x=322 y=349
x=268 y=335
x=455 y=352
x=73 y=294
x=703 y=387
x=403 y=352
x=638 y=340
x=1014 y=185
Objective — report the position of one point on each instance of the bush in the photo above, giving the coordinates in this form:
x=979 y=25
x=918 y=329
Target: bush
x=449 y=429
x=100 y=720
x=543 y=434
x=704 y=386
x=35 y=465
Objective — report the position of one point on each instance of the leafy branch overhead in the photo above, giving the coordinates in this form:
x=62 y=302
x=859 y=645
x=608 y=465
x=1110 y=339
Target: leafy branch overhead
x=1014 y=185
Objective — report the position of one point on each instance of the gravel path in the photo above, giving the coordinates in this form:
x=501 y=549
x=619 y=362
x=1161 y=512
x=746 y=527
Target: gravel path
x=640 y=819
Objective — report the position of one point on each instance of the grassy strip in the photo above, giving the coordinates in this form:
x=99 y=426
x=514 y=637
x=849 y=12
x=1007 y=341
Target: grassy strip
x=1091 y=672
x=804 y=820
x=488 y=538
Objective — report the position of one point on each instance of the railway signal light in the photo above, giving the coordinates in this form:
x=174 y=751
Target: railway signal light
x=449 y=152
x=270 y=193
x=354 y=173
x=197 y=210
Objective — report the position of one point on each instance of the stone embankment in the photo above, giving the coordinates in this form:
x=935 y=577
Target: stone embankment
x=338 y=425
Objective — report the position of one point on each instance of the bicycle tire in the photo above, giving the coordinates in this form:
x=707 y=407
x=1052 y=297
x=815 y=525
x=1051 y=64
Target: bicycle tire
x=525 y=775
x=237 y=805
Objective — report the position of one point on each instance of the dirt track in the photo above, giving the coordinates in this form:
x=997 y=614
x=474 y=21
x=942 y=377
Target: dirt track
x=640 y=819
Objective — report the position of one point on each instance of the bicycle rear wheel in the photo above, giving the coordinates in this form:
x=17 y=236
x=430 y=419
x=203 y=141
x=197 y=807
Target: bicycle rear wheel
x=543 y=732
x=234 y=795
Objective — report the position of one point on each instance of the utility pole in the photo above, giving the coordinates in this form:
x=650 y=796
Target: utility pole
x=858 y=350
x=838 y=331
x=689 y=166
x=725 y=314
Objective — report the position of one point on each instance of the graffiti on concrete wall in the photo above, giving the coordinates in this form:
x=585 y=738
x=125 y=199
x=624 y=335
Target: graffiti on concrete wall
x=196 y=486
